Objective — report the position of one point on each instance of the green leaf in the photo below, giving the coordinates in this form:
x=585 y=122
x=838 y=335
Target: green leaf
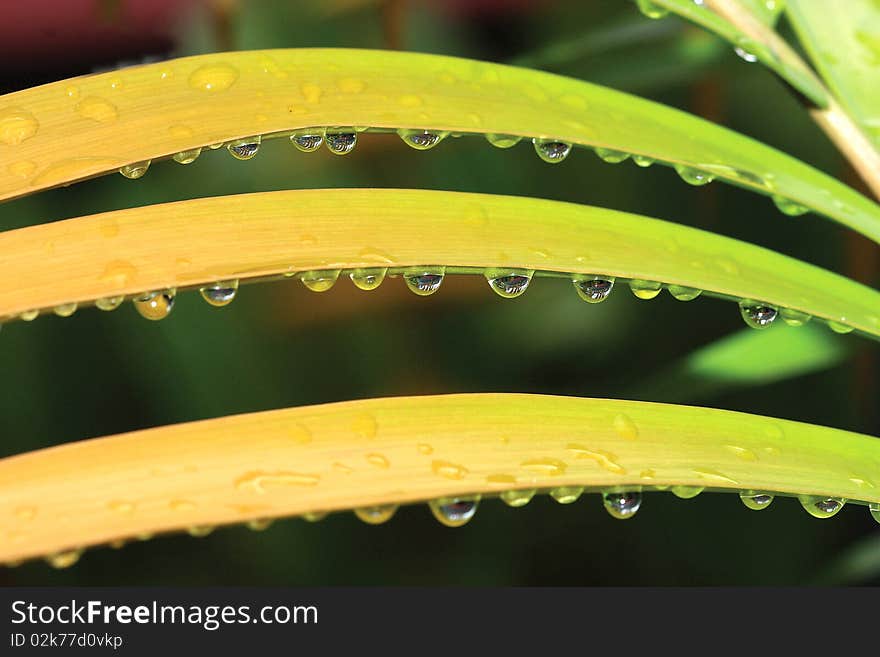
x=798 y=77
x=199 y=242
x=844 y=44
x=745 y=359
x=67 y=131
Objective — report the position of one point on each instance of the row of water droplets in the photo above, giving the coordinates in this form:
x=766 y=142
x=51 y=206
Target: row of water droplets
x=426 y=280
x=342 y=141
x=458 y=511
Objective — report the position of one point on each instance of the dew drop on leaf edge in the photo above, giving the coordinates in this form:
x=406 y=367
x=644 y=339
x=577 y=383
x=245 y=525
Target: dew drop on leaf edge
x=509 y=283
x=376 y=515
x=551 y=151
x=220 y=294
x=622 y=505
x=424 y=281
x=154 y=305
x=308 y=140
x=244 y=149
x=757 y=315
x=340 y=141
x=593 y=289
x=645 y=290
x=821 y=507
x=755 y=501
x=368 y=279
x=421 y=140
x=454 y=512
x=518 y=497
x=320 y=280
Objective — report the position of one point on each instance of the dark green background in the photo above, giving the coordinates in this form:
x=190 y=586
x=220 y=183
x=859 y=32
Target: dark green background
x=279 y=345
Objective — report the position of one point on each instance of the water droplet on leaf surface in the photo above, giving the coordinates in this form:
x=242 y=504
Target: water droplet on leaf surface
x=155 y=305
x=220 y=294
x=424 y=280
x=754 y=500
x=456 y=511
x=551 y=150
x=509 y=283
x=622 y=505
x=757 y=315
x=244 y=149
x=593 y=289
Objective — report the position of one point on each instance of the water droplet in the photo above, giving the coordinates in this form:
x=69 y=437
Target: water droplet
x=821 y=507
x=502 y=141
x=368 y=279
x=425 y=449
x=97 y=109
x=593 y=289
x=683 y=293
x=340 y=141
x=754 y=500
x=611 y=156
x=64 y=559
x=625 y=427
x=136 y=170
x=221 y=293
x=757 y=315
x=16 y=125
x=454 y=511
x=65 y=309
x=509 y=283
x=643 y=160
x=314 y=516
x=320 y=280
x=449 y=470
x=109 y=303
x=424 y=280
x=838 y=327
x=622 y=505
x=744 y=49
x=259 y=524
x=793 y=317
x=518 y=498
x=686 y=492
x=874 y=508
x=649 y=9
x=187 y=157
x=421 y=140
x=376 y=515
x=213 y=77
x=155 y=305
x=566 y=494
x=789 y=207
x=693 y=176
x=199 y=531
x=244 y=149
x=29 y=315
x=645 y=289
x=382 y=462
x=308 y=140
x=551 y=150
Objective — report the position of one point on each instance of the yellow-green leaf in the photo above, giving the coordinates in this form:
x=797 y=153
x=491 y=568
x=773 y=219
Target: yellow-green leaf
x=844 y=44
x=252 y=236
x=67 y=131
x=408 y=449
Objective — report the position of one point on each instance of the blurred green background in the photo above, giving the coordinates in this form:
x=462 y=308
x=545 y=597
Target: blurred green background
x=280 y=345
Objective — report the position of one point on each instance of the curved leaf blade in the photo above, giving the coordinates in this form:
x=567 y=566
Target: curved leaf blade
x=67 y=131
x=408 y=449
x=797 y=75
x=252 y=236
x=844 y=44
